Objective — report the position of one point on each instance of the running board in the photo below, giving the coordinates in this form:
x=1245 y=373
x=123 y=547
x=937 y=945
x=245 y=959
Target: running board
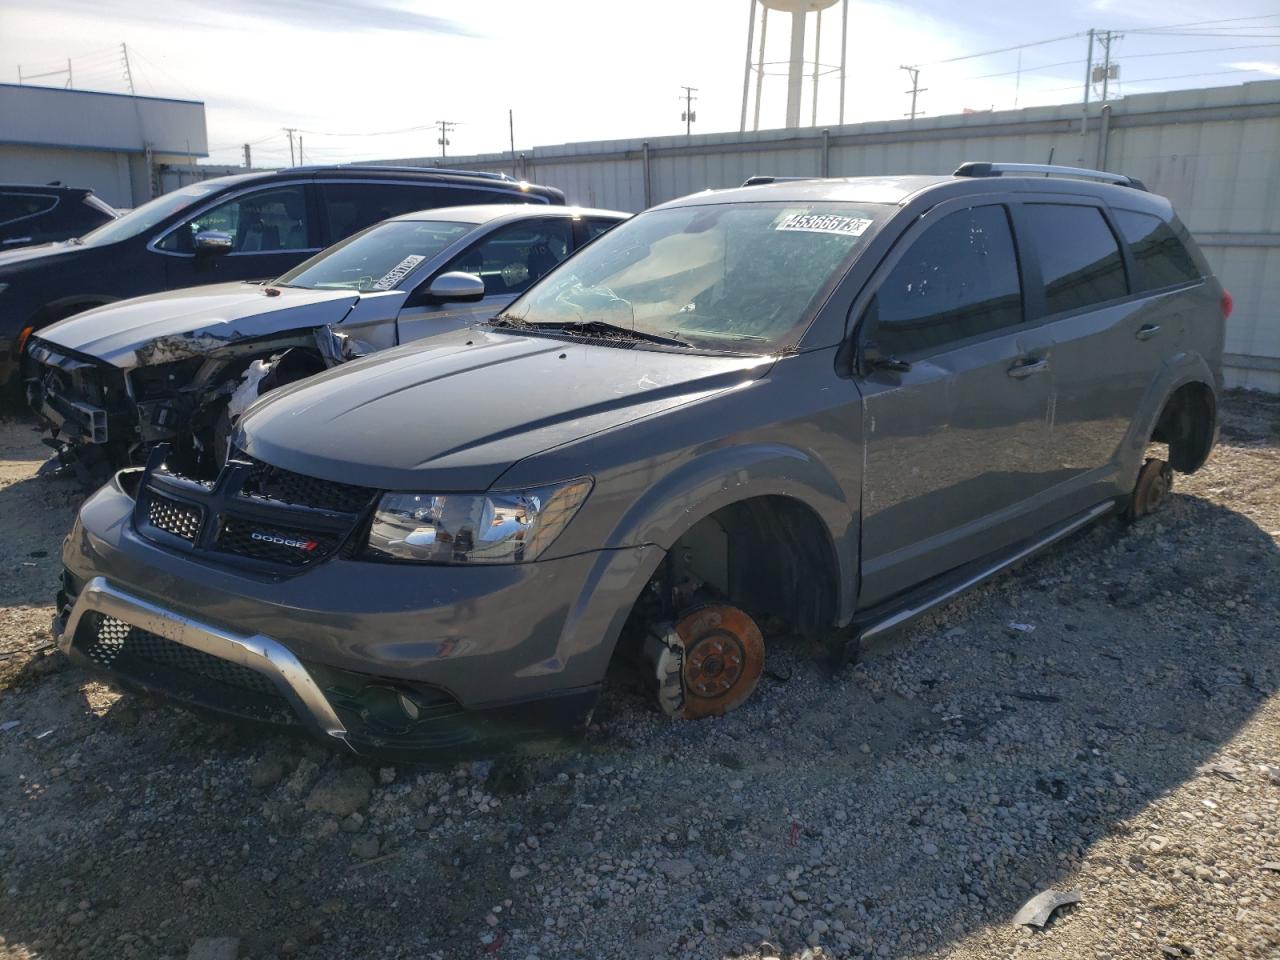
x=895 y=613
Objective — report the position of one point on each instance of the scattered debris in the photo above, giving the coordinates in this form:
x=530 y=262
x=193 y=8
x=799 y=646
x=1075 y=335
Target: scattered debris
x=8 y=725
x=1037 y=911
x=1022 y=627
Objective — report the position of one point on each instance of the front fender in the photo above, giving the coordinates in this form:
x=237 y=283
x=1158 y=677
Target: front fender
x=697 y=489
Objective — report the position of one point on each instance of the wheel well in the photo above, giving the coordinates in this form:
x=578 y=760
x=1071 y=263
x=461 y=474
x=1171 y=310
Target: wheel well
x=768 y=555
x=1187 y=424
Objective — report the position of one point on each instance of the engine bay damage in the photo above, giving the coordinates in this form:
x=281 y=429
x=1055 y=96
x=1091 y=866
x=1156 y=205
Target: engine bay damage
x=188 y=389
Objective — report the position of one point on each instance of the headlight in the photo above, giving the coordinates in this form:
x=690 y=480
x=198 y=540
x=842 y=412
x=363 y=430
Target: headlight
x=499 y=527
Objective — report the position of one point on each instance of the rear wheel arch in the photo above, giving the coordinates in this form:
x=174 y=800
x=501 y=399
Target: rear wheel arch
x=1187 y=423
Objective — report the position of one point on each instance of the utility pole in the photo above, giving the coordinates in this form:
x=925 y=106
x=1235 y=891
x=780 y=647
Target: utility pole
x=291 y=131
x=301 y=162
x=689 y=115
x=511 y=130
x=916 y=89
x=1088 y=79
x=1108 y=71
x=128 y=73
x=247 y=162
x=445 y=126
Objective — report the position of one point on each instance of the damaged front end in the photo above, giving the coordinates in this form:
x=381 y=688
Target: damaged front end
x=185 y=389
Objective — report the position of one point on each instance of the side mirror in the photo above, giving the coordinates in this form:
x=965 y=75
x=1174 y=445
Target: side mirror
x=456 y=285
x=213 y=242
x=875 y=359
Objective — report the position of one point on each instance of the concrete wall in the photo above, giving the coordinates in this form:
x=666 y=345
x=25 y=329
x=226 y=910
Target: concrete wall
x=1214 y=152
x=96 y=140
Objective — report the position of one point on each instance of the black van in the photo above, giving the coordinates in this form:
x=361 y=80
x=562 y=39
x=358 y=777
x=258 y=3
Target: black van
x=246 y=227
x=31 y=213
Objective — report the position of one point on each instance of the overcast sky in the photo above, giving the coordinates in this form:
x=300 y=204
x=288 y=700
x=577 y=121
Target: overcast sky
x=348 y=71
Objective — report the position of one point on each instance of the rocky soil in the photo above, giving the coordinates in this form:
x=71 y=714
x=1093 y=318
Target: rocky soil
x=1106 y=721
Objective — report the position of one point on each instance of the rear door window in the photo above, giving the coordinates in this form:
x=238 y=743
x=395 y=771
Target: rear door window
x=595 y=227
x=959 y=279
x=1159 y=255
x=350 y=207
x=1080 y=260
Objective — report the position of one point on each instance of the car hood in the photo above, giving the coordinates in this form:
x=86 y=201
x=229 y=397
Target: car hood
x=48 y=252
x=455 y=411
x=182 y=323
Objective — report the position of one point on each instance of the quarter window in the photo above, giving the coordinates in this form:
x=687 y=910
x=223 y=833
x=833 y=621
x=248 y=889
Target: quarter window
x=1080 y=261
x=958 y=280
x=260 y=222
x=19 y=206
x=1160 y=257
x=511 y=259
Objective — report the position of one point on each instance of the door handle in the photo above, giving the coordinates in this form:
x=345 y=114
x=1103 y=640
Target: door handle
x=1147 y=331
x=1028 y=367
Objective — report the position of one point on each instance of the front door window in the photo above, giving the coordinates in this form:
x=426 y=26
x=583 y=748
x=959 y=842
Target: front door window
x=265 y=221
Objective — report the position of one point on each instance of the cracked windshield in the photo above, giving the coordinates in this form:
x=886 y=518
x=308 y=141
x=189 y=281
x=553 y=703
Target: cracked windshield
x=736 y=276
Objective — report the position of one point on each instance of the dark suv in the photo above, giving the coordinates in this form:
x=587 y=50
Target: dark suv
x=832 y=402
x=247 y=227
x=42 y=214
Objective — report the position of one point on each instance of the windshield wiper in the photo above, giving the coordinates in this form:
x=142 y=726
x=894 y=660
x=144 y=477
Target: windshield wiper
x=605 y=329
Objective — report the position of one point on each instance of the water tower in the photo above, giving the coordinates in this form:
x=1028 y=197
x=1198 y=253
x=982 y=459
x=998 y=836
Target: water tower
x=798 y=62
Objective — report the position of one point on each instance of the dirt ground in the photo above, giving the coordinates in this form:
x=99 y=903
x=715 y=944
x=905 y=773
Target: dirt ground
x=1106 y=720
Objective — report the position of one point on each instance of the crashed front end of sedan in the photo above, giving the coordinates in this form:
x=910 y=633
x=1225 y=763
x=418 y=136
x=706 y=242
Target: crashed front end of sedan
x=188 y=388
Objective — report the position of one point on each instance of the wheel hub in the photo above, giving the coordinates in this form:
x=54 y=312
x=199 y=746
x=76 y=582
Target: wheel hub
x=723 y=659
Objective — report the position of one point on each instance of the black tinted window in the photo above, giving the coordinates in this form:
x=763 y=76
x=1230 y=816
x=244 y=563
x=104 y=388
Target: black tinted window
x=350 y=207
x=958 y=280
x=18 y=206
x=1079 y=258
x=1160 y=258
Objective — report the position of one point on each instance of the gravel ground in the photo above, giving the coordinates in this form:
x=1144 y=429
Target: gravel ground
x=1106 y=720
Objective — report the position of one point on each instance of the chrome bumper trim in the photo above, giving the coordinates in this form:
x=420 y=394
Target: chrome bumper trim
x=257 y=652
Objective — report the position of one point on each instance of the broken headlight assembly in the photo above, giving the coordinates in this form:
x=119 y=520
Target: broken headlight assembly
x=513 y=526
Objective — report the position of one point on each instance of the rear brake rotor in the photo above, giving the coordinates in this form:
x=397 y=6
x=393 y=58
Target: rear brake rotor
x=723 y=657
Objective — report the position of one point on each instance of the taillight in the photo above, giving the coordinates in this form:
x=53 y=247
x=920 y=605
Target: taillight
x=1227 y=305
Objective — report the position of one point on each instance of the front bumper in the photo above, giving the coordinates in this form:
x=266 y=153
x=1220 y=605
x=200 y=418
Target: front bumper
x=79 y=397
x=490 y=654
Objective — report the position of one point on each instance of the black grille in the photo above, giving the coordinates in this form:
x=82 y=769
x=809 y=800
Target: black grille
x=173 y=517
x=273 y=483
x=114 y=643
x=295 y=548
x=253 y=515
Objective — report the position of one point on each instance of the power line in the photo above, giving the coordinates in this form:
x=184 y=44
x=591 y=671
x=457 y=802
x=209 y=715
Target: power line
x=988 y=53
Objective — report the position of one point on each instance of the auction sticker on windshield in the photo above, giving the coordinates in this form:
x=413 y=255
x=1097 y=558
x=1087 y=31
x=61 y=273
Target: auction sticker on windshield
x=825 y=223
x=397 y=273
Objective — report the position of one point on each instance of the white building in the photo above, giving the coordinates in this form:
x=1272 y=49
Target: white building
x=115 y=144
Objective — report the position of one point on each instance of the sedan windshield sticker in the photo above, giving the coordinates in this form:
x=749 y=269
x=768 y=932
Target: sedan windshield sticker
x=825 y=223
x=397 y=273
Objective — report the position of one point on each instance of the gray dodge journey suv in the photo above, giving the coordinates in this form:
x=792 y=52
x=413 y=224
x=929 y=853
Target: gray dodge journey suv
x=831 y=402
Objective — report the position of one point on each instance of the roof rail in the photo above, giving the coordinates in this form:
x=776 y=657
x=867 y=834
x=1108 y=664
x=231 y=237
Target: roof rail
x=762 y=179
x=986 y=169
x=411 y=168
